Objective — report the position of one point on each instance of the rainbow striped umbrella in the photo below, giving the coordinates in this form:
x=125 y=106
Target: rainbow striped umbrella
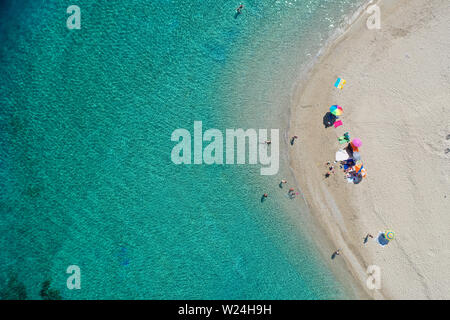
x=389 y=235
x=336 y=110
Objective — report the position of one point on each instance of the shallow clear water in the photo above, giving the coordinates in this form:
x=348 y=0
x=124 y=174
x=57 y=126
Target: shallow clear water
x=86 y=176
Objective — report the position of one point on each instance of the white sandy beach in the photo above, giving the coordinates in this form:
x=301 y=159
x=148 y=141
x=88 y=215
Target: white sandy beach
x=397 y=101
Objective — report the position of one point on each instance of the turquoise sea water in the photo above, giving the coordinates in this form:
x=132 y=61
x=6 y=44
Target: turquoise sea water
x=86 y=176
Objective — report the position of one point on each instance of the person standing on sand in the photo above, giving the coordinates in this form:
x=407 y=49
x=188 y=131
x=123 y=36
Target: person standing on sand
x=293 y=140
x=366 y=238
x=336 y=253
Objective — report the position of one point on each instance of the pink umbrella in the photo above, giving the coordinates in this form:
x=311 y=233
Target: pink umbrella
x=357 y=142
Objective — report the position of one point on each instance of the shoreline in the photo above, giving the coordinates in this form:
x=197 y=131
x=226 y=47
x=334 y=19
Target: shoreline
x=338 y=206
x=325 y=244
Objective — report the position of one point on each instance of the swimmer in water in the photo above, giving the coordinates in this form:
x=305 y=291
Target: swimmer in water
x=239 y=9
x=291 y=193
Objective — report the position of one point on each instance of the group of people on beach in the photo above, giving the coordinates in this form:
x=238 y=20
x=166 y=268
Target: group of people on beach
x=330 y=167
x=338 y=251
x=345 y=165
x=291 y=192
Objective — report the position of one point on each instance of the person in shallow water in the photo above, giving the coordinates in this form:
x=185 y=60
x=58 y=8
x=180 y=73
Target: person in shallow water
x=282 y=182
x=239 y=9
x=291 y=193
x=264 y=197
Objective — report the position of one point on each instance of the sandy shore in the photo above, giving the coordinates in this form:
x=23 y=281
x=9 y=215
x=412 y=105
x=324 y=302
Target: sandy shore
x=397 y=101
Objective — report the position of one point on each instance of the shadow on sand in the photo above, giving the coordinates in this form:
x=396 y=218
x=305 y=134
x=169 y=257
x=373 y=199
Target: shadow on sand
x=329 y=119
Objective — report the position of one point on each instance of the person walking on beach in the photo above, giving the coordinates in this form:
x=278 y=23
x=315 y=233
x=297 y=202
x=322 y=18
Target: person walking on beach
x=366 y=238
x=293 y=140
x=329 y=164
x=336 y=253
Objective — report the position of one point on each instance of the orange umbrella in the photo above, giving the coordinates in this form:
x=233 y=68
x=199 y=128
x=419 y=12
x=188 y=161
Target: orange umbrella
x=358 y=166
x=354 y=148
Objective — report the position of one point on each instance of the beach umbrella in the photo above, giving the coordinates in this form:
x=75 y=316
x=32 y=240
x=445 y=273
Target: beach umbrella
x=358 y=167
x=389 y=235
x=357 y=179
x=381 y=239
x=339 y=83
x=336 y=110
x=356 y=156
x=341 y=155
x=356 y=142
